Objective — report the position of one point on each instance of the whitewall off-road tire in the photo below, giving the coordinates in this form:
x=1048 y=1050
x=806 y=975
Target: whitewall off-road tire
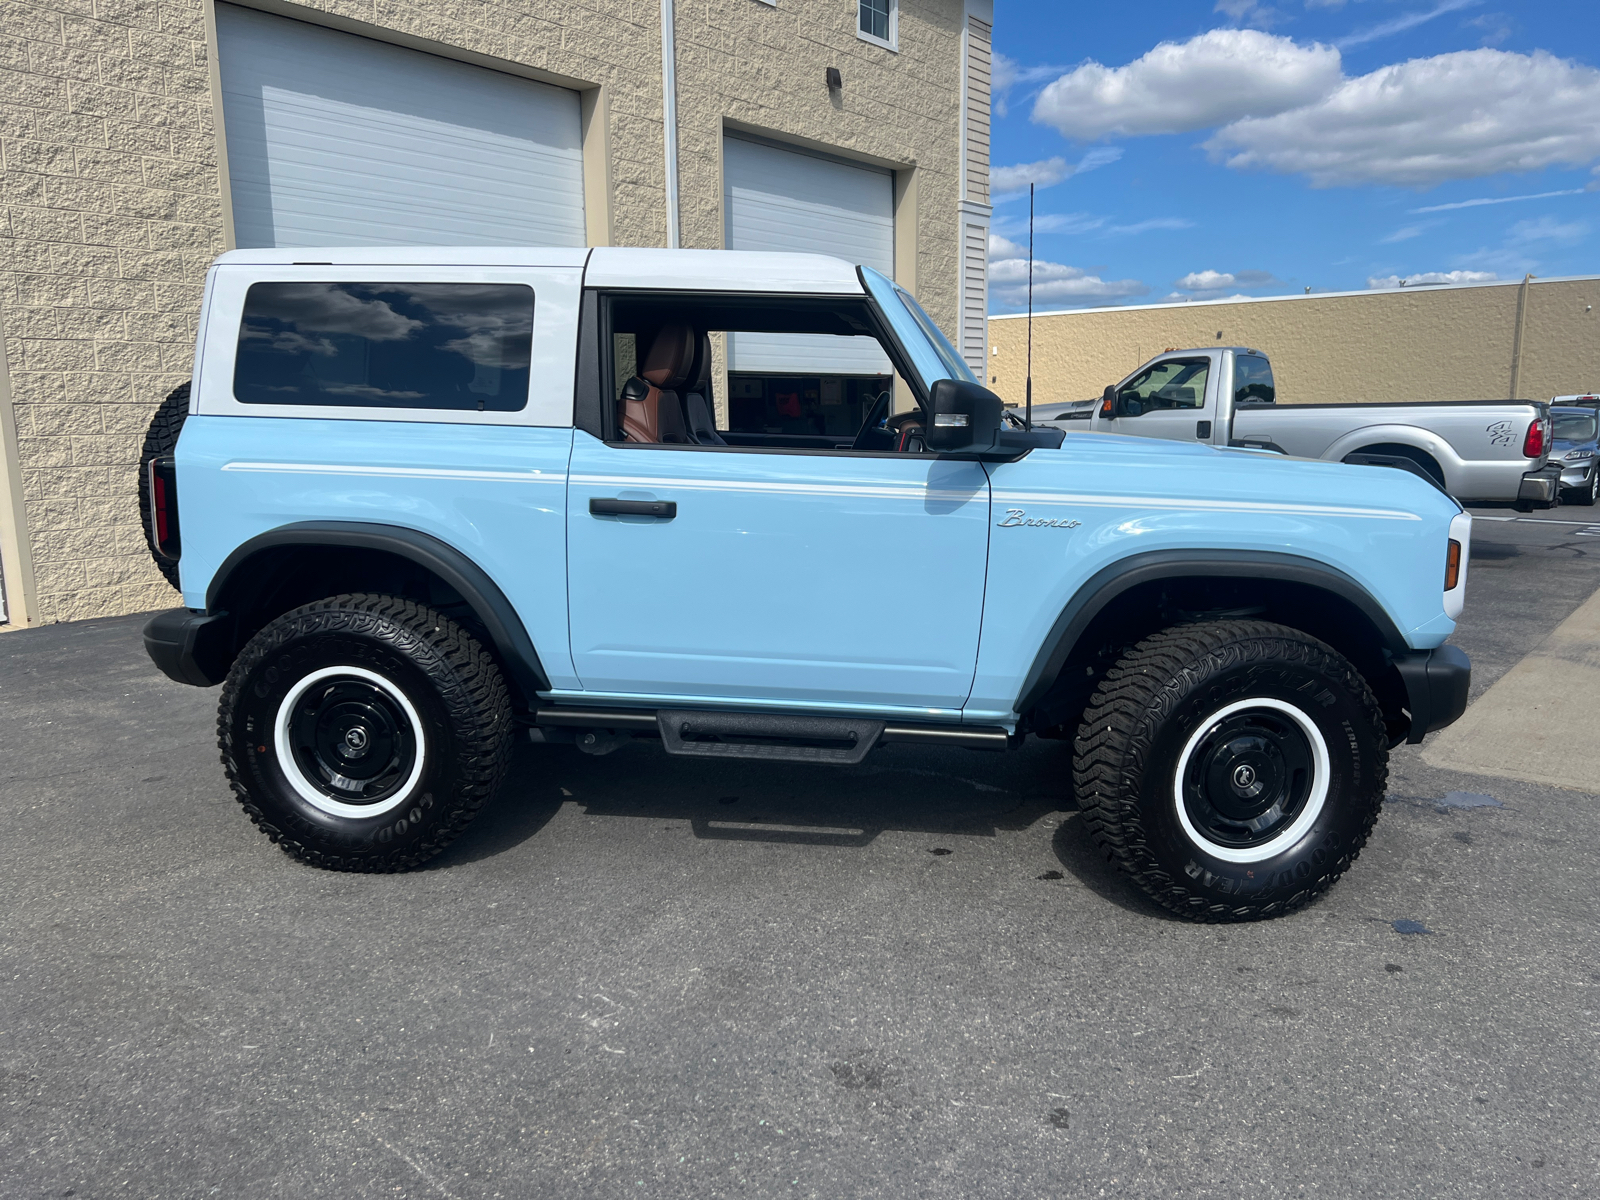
x=363 y=733
x=1234 y=768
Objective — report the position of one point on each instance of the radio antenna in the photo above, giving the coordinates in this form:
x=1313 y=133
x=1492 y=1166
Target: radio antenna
x=1027 y=417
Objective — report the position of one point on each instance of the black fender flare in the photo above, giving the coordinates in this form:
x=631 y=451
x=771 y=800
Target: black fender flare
x=1105 y=585
x=497 y=614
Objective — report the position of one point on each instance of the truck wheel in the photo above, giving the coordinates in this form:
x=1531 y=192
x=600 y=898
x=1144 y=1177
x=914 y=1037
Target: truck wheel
x=363 y=733
x=159 y=440
x=1233 y=768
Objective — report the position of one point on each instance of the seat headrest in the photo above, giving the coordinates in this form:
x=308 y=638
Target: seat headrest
x=671 y=354
x=699 y=379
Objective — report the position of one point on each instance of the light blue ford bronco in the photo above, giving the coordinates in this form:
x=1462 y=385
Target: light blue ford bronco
x=421 y=502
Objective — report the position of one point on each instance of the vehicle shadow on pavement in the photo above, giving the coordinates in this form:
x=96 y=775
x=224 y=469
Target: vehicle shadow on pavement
x=1076 y=851
x=903 y=789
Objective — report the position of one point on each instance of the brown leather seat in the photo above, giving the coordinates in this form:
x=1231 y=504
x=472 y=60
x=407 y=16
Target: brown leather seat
x=650 y=408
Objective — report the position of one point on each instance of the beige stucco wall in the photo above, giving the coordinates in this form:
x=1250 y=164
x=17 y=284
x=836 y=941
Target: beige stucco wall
x=1453 y=343
x=114 y=202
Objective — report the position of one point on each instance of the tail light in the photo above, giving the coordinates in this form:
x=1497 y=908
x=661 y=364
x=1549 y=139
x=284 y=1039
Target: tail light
x=1452 y=566
x=164 y=507
x=1538 y=437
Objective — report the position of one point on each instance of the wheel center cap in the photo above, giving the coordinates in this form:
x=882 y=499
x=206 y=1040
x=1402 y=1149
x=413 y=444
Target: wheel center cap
x=1243 y=776
x=356 y=741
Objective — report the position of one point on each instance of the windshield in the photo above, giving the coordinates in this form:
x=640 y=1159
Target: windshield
x=931 y=352
x=1573 y=427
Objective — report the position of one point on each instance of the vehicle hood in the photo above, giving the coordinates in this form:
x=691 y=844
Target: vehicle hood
x=1177 y=470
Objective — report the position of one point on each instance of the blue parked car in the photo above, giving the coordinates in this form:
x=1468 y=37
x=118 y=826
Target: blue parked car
x=423 y=501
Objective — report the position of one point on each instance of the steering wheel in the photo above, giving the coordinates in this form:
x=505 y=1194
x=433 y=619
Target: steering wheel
x=864 y=436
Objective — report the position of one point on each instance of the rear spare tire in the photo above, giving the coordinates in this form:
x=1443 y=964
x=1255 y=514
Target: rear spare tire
x=363 y=733
x=1234 y=768
x=159 y=441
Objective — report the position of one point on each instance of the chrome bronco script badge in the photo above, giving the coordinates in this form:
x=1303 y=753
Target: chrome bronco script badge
x=1019 y=516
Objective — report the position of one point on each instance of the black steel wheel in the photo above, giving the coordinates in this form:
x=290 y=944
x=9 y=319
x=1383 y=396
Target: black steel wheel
x=1234 y=768
x=363 y=733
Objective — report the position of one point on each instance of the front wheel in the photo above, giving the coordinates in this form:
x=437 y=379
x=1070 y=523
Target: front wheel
x=1586 y=494
x=363 y=733
x=1234 y=768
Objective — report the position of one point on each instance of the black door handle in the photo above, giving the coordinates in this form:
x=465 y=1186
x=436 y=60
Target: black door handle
x=665 y=509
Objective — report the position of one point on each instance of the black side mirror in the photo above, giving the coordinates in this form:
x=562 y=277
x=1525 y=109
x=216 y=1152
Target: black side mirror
x=1108 y=401
x=963 y=418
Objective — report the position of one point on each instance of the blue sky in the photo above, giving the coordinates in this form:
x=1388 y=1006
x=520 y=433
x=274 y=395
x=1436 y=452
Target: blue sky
x=1209 y=148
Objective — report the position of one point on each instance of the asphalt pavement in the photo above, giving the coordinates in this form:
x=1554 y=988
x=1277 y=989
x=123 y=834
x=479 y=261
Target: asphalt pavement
x=649 y=977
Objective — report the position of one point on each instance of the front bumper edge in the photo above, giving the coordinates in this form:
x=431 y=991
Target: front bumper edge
x=1436 y=688
x=191 y=647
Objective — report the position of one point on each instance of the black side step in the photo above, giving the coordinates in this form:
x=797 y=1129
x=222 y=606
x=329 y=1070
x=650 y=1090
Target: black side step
x=774 y=737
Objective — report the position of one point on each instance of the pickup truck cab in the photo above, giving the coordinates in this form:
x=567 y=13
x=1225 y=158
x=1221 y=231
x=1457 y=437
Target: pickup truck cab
x=1225 y=396
x=422 y=501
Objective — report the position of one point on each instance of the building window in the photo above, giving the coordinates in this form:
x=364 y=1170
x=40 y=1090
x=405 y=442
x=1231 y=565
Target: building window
x=878 y=22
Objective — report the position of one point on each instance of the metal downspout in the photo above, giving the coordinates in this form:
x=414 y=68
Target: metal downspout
x=1516 y=340
x=669 y=119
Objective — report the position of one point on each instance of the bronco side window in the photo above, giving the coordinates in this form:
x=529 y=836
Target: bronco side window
x=781 y=372
x=461 y=346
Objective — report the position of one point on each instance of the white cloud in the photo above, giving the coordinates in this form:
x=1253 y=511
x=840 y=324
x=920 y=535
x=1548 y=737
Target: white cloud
x=1049 y=172
x=1007 y=73
x=1044 y=173
x=1249 y=12
x=1418 y=123
x=1205 y=281
x=1548 y=229
x=1004 y=247
x=1067 y=223
x=1209 y=284
x=1403 y=22
x=1405 y=233
x=1152 y=223
x=1425 y=277
x=1212 y=79
x=1498 y=200
x=1052 y=282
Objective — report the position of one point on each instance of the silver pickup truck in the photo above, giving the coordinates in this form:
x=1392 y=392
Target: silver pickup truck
x=1225 y=396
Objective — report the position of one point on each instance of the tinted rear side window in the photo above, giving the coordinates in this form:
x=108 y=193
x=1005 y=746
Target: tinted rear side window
x=462 y=346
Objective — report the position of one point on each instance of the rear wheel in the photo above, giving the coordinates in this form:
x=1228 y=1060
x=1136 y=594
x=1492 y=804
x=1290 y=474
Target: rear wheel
x=1235 y=768
x=363 y=733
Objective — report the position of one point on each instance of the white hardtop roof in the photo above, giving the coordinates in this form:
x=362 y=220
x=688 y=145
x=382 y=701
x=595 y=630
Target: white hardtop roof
x=408 y=256
x=608 y=266
x=722 y=271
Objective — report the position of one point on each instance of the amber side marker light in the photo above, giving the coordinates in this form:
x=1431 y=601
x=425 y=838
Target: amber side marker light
x=1452 y=566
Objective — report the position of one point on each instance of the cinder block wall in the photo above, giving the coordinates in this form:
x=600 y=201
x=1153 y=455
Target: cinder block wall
x=113 y=201
x=1453 y=343
x=112 y=212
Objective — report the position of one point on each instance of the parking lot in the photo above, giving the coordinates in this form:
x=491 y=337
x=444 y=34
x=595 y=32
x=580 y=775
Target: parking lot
x=646 y=976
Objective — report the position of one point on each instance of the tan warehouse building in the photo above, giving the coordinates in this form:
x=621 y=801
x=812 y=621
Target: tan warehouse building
x=140 y=140
x=1528 y=340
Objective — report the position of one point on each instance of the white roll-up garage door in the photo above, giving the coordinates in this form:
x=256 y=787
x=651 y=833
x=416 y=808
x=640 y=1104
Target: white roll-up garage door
x=338 y=140
x=780 y=199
